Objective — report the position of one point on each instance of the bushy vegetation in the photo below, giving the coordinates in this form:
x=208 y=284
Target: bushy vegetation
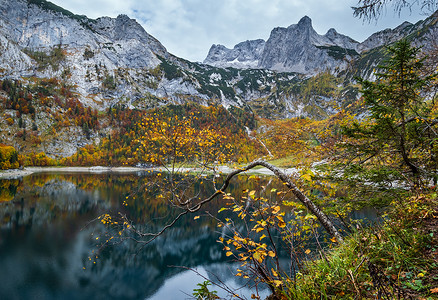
x=386 y=157
x=392 y=260
x=8 y=157
x=384 y=160
x=48 y=99
x=44 y=60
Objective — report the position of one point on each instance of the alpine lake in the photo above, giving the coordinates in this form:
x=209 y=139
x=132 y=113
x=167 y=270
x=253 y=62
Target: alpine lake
x=51 y=239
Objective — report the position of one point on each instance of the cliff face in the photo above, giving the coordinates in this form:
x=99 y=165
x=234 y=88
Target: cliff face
x=94 y=51
x=114 y=60
x=244 y=55
x=298 y=48
x=34 y=26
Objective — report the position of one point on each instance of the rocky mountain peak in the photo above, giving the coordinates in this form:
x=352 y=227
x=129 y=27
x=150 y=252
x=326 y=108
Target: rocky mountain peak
x=243 y=55
x=387 y=36
x=305 y=22
x=334 y=38
x=299 y=48
x=303 y=29
x=331 y=33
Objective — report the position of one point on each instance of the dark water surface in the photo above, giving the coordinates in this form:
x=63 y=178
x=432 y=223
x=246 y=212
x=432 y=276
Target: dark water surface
x=47 y=235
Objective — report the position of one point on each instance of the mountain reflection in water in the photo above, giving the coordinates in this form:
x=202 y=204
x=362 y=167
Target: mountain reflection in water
x=47 y=236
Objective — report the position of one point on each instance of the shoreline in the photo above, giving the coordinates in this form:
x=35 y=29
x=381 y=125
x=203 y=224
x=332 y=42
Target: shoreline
x=19 y=173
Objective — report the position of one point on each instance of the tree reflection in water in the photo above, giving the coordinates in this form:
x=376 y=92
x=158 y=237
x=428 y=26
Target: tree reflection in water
x=47 y=238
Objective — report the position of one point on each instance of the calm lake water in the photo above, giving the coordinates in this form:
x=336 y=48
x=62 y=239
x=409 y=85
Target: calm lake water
x=47 y=235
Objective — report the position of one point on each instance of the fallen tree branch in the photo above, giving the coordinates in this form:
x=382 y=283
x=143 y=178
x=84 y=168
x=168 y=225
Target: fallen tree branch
x=312 y=207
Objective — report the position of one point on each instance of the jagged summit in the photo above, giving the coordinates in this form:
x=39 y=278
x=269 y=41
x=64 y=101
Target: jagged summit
x=305 y=22
x=297 y=48
x=124 y=28
x=112 y=61
x=244 y=55
x=331 y=32
x=94 y=49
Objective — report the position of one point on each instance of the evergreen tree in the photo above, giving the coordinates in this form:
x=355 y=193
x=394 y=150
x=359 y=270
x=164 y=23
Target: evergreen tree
x=398 y=132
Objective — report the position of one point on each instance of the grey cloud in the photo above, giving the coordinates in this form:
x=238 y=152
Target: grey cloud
x=187 y=28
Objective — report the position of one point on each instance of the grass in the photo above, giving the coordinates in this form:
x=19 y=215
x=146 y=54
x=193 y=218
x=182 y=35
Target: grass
x=398 y=258
x=284 y=162
x=292 y=161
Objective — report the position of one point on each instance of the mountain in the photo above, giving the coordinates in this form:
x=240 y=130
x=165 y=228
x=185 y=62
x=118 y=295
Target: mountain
x=244 y=55
x=109 y=61
x=387 y=36
x=297 y=48
x=61 y=74
x=94 y=52
x=114 y=61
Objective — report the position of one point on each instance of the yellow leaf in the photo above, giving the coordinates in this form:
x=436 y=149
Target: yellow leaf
x=307 y=251
x=434 y=290
x=281 y=223
x=262 y=237
x=277 y=282
x=275 y=209
x=307 y=177
x=195 y=218
x=258 y=257
x=271 y=253
x=229 y=253
x=252 y=193
x=222 y=209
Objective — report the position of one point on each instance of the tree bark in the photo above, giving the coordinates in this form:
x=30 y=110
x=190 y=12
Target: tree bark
x=312 y=207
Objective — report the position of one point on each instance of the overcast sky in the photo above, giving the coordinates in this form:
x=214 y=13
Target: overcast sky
x=187 y=28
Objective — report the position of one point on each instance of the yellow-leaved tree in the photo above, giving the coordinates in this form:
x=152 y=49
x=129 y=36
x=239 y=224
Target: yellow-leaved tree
x=172 y=141
x=8 y=157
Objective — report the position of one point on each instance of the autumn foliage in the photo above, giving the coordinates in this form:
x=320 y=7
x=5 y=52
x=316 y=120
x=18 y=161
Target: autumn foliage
x=8 y=157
